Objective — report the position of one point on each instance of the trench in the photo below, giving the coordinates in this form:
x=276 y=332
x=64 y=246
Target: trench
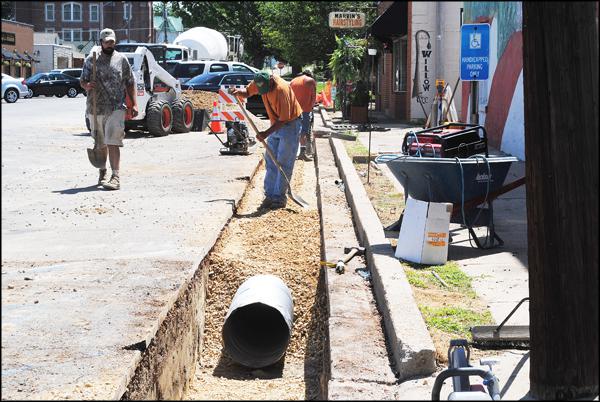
x=285 y=243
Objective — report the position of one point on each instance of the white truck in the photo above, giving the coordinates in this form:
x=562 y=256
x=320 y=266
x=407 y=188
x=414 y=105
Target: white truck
x=162 y=108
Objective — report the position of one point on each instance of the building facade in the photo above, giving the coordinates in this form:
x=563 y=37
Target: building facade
x=18 y=57
x=420 y=44
x=81 y=22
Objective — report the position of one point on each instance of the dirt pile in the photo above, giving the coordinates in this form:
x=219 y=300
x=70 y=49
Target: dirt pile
x=201 y=99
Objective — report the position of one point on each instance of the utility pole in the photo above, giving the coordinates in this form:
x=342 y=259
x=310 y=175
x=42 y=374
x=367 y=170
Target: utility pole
x=165 y=21
x=560 y=76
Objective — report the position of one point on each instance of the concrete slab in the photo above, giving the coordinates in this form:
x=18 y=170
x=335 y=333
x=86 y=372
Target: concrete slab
x=86 y=272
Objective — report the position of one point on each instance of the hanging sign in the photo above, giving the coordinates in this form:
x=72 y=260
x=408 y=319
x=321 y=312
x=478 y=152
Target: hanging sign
x=346 y=19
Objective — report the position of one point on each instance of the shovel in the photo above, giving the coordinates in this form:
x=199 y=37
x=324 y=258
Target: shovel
x=99 y=153
x=297 y=199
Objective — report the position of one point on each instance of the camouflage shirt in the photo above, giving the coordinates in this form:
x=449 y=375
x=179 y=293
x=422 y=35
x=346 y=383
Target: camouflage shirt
x=113 y=75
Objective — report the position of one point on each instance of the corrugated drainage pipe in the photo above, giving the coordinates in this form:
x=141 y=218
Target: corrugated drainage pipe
x=258 y=324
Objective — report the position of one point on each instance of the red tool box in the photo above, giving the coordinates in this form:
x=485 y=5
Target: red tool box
x=447 y=141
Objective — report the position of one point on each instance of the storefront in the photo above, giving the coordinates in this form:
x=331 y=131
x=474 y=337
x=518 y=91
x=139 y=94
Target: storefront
x=17 y=49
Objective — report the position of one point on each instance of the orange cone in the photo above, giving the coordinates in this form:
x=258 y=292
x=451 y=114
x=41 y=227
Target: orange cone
x=216 y=124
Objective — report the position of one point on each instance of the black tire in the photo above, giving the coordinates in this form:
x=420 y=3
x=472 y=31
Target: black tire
x=183 y=116
x=11 y=95
x=59 y=95
x=72 y=92
x=29 y=93
x=159 y=118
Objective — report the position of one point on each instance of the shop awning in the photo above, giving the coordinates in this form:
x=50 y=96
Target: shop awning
x=392 y=23
x=6 y=55
x=18 y=56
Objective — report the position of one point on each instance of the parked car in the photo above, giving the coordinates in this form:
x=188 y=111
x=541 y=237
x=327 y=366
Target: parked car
x=73 y=72
x=13 y=88
x=185 y=70
x=54 y=84
x=212 y=82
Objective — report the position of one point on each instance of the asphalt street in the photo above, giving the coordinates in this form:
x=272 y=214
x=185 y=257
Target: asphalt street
x=86 y=271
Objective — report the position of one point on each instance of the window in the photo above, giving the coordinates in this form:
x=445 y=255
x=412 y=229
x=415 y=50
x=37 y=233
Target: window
x=94 y=12
x=49 y=30
x=126 y=11
x=399 y=54
x=233 y=80
x=71 y=12
x=71 y=35
x=94 y=35
x=239 y=67
x=218 y=67
x=49 y=11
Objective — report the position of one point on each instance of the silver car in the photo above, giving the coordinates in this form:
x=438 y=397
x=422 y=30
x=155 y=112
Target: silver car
x=13 y=88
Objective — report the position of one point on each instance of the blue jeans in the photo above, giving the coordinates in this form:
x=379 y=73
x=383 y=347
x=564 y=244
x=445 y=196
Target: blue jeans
x=284 y=144
x=307 y=132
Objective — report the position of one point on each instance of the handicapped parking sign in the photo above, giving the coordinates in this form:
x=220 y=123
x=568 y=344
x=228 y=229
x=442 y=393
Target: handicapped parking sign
x=475 y=52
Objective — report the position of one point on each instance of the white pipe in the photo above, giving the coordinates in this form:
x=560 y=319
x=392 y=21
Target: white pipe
x=259 y=322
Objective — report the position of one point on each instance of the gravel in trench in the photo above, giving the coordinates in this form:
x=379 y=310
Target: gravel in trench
x=285 y=243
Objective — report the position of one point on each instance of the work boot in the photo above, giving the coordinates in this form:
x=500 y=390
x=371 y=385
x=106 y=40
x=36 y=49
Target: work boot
x=266 y=203
x=102 y=177
x=113 y=183
x=301 y=153
x=279 y=204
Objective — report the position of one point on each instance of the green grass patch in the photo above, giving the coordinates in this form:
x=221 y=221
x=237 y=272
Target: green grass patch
x=454 y=320
x=356 y=148
x=450 y=273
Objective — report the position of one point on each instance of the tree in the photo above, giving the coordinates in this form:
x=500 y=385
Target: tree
x=560 y=76
x=295 y=31
x=299 y=30
x=228 y=17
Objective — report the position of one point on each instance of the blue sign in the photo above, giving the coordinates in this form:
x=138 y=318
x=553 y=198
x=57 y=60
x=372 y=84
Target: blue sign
x=474 y=52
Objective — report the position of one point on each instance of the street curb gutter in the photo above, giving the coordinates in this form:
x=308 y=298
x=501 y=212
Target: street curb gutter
x=413 y=352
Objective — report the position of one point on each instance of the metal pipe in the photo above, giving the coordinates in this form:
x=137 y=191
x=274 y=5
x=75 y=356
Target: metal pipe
x=259 y=322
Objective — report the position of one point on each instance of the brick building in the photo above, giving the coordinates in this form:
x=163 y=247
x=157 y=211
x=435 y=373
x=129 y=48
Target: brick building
x=17 y=49
x=81 y=22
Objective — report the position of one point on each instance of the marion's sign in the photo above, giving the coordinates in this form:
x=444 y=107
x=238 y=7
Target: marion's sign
x=346 y=19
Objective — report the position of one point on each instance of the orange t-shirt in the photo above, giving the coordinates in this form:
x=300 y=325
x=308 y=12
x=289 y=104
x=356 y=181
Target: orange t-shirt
x=305 y=89
x=280 y=102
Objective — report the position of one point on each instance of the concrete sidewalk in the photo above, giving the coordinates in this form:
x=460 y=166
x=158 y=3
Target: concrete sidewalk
x=499 y=275
x=89 y=276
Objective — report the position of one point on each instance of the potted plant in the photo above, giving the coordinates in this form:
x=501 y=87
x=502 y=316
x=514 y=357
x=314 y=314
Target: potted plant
x=359 y=103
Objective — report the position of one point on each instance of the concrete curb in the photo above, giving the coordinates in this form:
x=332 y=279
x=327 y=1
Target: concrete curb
x=413 y=352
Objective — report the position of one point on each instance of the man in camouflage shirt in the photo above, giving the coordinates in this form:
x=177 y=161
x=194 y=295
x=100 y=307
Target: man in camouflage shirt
x=113 y=78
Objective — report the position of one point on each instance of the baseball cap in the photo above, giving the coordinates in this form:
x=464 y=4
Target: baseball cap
x=108 y=34
x=261 y=79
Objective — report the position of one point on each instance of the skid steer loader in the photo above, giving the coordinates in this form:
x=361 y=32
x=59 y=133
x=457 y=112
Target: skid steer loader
x=162 y=108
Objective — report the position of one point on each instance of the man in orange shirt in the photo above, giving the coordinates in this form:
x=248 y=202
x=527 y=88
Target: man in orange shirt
x=282 y=137
x=305 y=89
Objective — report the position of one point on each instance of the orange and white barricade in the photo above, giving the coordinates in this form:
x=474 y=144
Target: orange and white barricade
x=233 y=113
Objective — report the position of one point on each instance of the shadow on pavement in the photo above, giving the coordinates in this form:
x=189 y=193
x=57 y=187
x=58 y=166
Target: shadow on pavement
x=227 y=368
x=79 y=190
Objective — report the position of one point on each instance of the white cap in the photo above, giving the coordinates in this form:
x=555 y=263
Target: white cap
x=108 y=34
